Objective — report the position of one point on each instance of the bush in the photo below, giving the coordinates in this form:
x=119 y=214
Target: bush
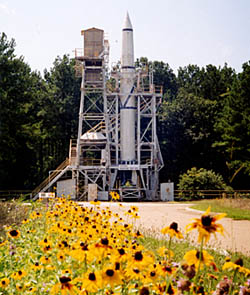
x=195 y=180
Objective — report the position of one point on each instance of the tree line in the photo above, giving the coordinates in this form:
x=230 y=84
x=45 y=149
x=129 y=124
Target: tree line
x=204 y=120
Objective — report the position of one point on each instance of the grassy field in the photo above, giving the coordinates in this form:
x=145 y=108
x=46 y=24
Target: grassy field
x=235 y=208
x=152 y=243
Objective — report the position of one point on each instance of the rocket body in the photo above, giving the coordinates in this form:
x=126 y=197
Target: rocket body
x=127 y=107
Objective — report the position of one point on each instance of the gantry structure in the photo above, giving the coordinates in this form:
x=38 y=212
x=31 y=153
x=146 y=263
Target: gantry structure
x=94 y=157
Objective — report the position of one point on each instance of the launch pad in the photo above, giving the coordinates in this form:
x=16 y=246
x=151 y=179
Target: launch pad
x=117 y=148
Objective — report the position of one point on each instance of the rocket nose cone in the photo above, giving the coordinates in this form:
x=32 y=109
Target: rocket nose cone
x=127 y=23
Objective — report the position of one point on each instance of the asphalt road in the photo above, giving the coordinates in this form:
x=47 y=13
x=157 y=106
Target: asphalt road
x=155 y=216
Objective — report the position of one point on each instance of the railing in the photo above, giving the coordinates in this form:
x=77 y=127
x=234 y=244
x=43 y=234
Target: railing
x=55 y=172
x=72 y=151
x=98 y=127
x=210 y=194
x=90 y=162
x=150 y=89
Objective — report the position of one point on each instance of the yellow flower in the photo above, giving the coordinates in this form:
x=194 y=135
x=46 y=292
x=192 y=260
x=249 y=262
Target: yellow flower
x=163 y=251
x=4 y=283
x=25 y=221
x=96 y=202
x=64 y=287
x=2 y=243
x=114 y=196
x=111 y=277
x=172 y=231
x=92 y=282
x=45 y=260
x=141 y=260
x=206 y=225
x=60 y=256
x=36 y=266
x=19 y=274
x=193 y=257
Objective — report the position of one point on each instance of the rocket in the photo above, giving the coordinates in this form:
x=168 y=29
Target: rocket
x=127 y=98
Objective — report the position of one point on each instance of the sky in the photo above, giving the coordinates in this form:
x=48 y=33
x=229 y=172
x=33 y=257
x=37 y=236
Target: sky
x=177 y=32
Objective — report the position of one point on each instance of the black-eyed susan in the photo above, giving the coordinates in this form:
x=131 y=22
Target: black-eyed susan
x=206 y=225
x=91 y=282
x=60 y=256
x=36 y=266
x=67 y=271
x=165 y=252
x=25 y=221
x=65 y=287
x=198 y=259
x=165 y=269
x=18 y=275
x=31 y=290
x=114 y=196
x=19 y=287
x=14 y=233
x=45 y=260
x=237 y=265
x=4 y=283
x=140 y=259
x=134 y=273
x=111 y=277
x=172 y=231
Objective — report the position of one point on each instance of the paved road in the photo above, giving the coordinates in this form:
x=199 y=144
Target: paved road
x=155 y=216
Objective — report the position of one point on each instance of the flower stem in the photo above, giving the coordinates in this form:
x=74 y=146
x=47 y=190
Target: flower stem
x=200 y=258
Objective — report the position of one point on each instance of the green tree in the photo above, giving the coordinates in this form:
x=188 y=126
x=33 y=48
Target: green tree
x=233 y=125
x=18 y=89
x=186 y=133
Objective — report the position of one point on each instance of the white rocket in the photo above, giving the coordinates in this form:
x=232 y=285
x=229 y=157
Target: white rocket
x=127 y=108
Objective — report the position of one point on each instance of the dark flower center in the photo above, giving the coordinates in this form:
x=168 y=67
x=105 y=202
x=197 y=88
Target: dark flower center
x=3 y=282
x=198 y=253
x=170 y=289
x=239 y=262
x=64 y=280
x=117 y=266
x=138 y=256
x=152 y=274
x=121 y=251
x=110 y=272
x=36 y=264
x=136 y=270
x=14 y=233
x=92 y=276
x=206 y=220
x=167 y=268
x=174 y=226
x=65 y=243
x=105 y=241
x=20 y=272
x=144 y=291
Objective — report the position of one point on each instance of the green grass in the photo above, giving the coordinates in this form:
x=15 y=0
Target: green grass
x=181 y=247
x=238 y=209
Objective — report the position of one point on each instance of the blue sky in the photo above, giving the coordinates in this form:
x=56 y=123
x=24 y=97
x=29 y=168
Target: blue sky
x=178 y=32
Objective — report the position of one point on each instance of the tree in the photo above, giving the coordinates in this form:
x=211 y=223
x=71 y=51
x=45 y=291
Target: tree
x=18 y=88
x=233 y=125
x=186 y=132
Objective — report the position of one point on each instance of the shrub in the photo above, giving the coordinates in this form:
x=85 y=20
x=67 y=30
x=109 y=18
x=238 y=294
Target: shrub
x=195 y=180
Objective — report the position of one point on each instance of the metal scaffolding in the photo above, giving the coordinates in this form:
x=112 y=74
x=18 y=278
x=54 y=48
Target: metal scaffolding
x=95 y=157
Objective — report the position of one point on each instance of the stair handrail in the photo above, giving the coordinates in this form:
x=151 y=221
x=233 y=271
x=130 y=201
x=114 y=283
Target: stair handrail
x=51 y=176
